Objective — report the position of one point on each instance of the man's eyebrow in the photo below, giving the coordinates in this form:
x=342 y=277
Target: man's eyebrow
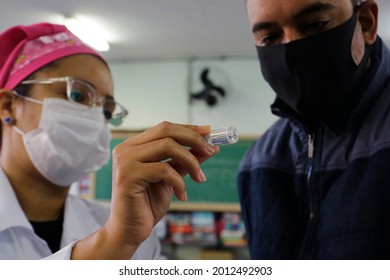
x=306 y=11
x=263 y=25
x=314 y=8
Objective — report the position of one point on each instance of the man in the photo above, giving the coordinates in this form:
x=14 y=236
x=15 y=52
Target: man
x=316 y=185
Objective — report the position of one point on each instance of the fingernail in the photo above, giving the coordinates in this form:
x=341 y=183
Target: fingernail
x=210 y=149
x=184 y=196
x=202 y=177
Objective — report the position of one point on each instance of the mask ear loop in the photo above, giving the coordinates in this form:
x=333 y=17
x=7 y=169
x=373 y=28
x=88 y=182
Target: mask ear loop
x=18 y=130
x=358 y=5
x=360 y=2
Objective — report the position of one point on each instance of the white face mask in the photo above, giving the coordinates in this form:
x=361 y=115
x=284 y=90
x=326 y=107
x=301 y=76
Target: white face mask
x=71 y=140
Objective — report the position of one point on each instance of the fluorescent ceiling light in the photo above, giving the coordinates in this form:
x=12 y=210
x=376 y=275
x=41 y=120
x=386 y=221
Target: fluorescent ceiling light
x=87 y=34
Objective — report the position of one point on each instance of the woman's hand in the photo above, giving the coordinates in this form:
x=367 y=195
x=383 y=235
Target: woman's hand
x=148 y=170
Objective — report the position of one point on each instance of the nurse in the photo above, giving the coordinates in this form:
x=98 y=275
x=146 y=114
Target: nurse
x=56 y=104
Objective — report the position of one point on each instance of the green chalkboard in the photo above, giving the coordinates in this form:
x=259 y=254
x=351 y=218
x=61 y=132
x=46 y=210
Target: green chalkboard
x=220 y=170
x=103 y=177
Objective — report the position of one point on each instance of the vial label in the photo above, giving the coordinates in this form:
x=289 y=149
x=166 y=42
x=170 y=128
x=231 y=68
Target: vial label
x=223 y=136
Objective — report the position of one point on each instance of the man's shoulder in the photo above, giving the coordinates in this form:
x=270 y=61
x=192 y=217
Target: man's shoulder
x=275 y=146
x=277 y=134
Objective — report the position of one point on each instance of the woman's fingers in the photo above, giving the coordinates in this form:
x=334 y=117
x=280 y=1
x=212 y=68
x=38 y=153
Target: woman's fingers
x=163 y=175
x=175 y=143
x=168 y=149
x=200 y=158
x=186 y=135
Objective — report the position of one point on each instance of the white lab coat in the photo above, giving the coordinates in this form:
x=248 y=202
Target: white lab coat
x=81 y=217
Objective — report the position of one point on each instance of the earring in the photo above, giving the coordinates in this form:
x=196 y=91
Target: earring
x=8 y=120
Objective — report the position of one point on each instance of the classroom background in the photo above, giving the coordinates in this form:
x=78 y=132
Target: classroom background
x=159 y=51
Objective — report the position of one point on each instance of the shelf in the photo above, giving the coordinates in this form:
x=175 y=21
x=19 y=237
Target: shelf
x=212 y=207
x=197 y=206
x=216 y=245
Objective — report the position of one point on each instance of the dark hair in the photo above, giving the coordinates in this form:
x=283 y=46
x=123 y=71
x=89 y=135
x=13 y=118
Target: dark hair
x=24 y=89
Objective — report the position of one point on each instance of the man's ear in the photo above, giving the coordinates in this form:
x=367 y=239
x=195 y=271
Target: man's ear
x=7 y=99
x=368 y=18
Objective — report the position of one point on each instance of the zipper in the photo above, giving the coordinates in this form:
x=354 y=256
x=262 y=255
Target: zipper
x=310 y=149
x=307 y=237
x=310 y=156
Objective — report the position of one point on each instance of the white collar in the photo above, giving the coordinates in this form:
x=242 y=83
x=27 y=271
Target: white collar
x=11 y=213
x=80 y=217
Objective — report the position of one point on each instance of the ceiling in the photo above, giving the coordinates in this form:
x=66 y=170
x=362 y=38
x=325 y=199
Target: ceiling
x=158 y=29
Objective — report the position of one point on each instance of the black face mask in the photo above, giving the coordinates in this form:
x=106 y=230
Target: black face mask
x=314 y=75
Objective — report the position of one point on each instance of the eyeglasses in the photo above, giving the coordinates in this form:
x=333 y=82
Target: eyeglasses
x=81 y=92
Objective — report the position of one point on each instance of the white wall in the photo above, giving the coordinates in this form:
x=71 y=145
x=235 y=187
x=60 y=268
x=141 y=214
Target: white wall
x=154 y=91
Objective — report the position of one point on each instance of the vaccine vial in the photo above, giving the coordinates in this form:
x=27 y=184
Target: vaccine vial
x=222 y=136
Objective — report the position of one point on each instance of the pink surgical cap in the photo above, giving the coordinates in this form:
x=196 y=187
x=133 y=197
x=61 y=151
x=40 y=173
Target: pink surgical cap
x=26 y=49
